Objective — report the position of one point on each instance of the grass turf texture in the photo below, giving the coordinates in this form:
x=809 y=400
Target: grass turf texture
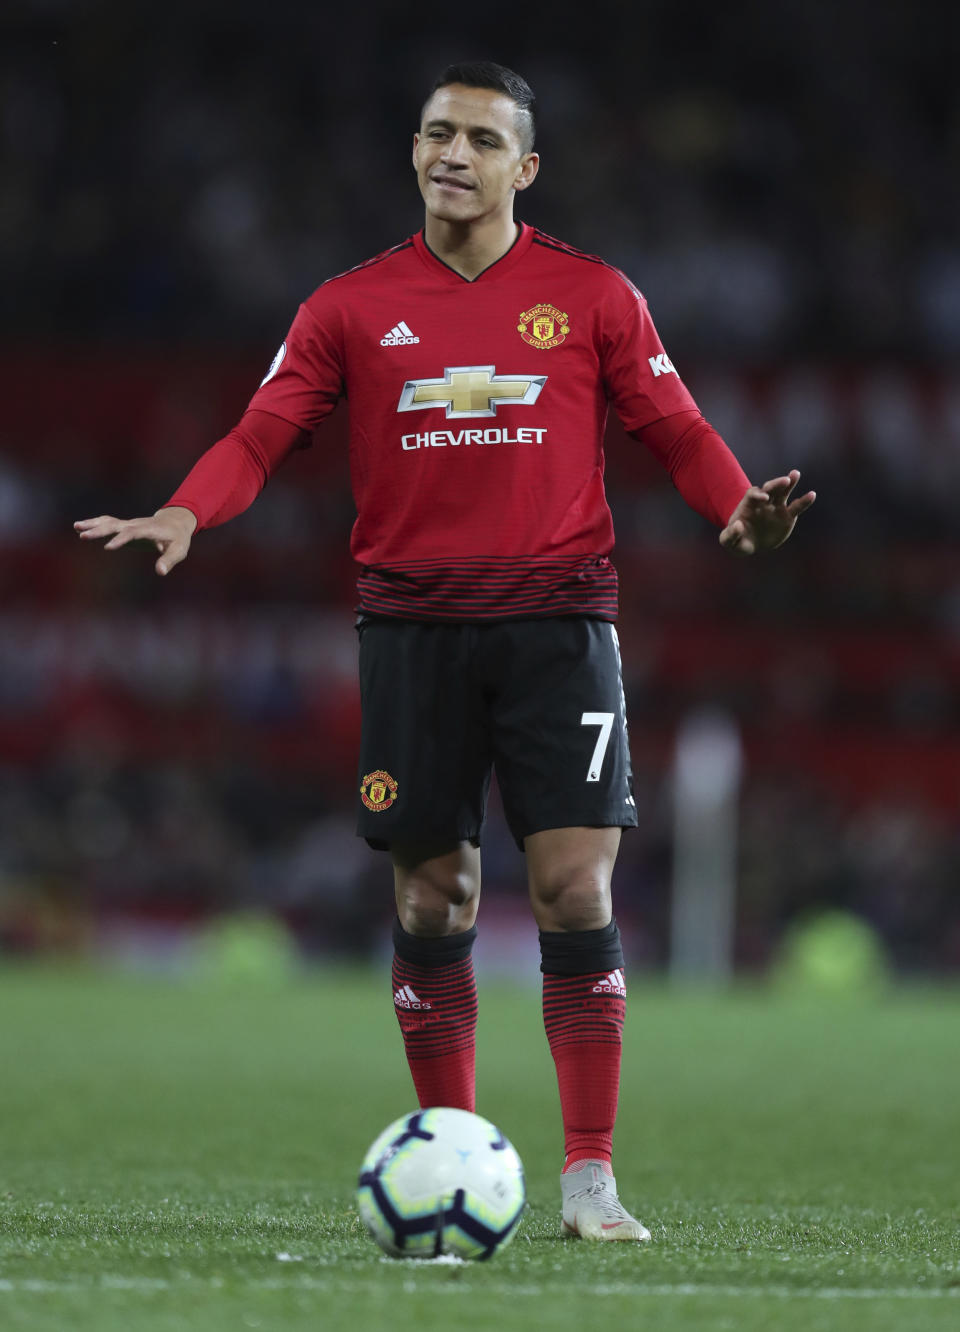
x=179 y=1156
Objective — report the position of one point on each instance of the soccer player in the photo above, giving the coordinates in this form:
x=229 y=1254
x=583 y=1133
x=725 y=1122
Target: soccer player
x=479 y=358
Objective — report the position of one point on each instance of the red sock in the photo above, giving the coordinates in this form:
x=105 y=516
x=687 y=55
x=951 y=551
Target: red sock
x=583 y=1015
x=435 y=998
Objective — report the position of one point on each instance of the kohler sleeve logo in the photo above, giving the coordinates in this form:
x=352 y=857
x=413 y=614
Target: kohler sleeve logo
x=661 y=365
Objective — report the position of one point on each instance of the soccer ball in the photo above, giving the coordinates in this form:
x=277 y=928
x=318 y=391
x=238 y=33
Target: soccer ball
x=441 y=1181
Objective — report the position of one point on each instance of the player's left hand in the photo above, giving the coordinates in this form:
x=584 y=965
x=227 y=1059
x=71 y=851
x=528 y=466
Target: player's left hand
x=765 y=516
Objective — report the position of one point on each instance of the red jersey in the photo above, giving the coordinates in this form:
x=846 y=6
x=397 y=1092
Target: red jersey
x=477 y=416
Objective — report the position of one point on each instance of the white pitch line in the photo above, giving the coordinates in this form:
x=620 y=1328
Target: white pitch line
x=681 y=1290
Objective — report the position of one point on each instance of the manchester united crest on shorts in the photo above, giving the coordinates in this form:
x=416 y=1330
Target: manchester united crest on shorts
x=378 y=791
x=544 y=326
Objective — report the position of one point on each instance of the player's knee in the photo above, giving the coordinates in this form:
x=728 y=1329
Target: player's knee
x=432 y=909
x=569 y=872
x=571 y=897
x=438 y=896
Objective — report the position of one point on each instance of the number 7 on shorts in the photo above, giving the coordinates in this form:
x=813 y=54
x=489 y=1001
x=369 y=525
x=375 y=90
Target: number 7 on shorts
x=605 y=721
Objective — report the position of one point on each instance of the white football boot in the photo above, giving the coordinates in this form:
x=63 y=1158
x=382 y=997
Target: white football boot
x=591 y=1208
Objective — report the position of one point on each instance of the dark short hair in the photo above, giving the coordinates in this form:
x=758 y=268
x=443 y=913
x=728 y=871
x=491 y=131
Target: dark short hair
x=488 y=74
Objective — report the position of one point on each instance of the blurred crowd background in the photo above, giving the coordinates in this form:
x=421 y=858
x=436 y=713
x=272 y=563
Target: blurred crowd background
x=782 y=183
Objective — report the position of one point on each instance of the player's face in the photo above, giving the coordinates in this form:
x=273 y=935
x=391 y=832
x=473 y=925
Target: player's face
x=468 y=155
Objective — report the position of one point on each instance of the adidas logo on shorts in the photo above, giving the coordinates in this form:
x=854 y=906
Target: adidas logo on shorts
x=614 y=983
x=405 y=998
x=398 y=336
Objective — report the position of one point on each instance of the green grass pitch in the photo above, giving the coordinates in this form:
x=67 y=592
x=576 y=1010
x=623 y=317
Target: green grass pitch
x=182 y=1156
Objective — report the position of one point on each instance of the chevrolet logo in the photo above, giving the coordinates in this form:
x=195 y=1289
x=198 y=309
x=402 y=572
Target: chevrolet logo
x=471 y=390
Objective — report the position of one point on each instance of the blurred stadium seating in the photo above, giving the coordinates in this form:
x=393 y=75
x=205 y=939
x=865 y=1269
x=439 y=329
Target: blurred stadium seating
x=172 y=748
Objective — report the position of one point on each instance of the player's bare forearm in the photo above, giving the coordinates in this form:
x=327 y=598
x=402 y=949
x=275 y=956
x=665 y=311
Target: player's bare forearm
x=765 y=516
x=171 y=531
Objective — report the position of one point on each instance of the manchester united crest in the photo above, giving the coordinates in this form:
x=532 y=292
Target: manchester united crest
x=378 y=791
x=544 y=326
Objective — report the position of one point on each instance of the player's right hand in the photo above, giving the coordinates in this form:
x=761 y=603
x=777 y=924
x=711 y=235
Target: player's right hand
x=169 y=529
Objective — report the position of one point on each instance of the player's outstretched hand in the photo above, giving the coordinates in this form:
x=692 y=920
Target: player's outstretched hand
x=170 y=530
x=765 y=516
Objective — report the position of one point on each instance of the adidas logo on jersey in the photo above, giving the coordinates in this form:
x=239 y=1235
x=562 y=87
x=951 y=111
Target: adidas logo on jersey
x=398 y=336
x=661 y=365
x=405 y=998
x=614 y=983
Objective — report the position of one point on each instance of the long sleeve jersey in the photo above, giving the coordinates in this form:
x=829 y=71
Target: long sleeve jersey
x=477 y=417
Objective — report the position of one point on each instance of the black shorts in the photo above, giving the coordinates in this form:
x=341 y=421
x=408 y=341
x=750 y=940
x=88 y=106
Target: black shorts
x=443 y=704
